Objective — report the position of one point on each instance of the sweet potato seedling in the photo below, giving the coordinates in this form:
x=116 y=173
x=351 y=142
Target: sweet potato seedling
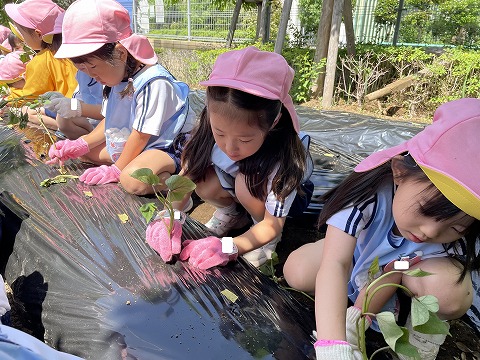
x=178 y=186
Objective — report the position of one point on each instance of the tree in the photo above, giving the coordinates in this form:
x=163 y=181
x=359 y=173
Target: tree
x=458 y=22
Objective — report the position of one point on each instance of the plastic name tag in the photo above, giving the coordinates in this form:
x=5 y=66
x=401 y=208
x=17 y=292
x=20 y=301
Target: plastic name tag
x=176 y=215
x=401 y=265
x=227 y=245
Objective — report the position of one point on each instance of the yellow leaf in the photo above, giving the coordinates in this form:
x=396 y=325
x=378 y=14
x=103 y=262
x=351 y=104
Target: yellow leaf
x=88 y=194
x=123 y=218
x=229 y=295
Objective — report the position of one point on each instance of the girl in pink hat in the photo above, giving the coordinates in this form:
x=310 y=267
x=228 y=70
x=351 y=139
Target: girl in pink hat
x=413 y=206
x=247 y=158
x=146 y=110
x=39 y=24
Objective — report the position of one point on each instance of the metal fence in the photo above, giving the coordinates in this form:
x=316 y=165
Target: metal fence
x=191 y=20
x=201 y=21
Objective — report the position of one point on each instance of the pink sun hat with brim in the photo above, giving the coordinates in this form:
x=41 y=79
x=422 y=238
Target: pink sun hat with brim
x=261 y=73
x=36 y=14
x=448 y=151
x=4 y=32
x=5 y=46
x=90 y=24
x=12 y=68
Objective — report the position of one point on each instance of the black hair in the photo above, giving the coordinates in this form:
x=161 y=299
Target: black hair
x=282 y=146
x=53 y=47
x=107 y=53
x=14 y=41
x=358 y=187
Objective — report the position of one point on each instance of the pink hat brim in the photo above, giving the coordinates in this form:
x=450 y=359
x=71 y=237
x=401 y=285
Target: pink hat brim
x=140 y=48
x=381 y=157
x=75 y=50
x=4 y=49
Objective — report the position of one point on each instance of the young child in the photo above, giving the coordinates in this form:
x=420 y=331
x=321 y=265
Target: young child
x=80 y=114
x=147 y=116
x=246 y=158
x=39 y=23
x=418 y=202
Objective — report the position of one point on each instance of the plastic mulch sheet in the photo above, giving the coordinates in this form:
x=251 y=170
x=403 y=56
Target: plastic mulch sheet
x=76 y=258
x=92 y=287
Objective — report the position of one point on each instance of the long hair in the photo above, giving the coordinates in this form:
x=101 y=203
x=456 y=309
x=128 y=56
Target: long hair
x=358 y=187
x=281 y=148
x=107 y=53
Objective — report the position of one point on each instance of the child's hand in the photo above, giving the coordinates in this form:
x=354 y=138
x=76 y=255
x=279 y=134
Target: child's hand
x=101 y=175
x=159 y=239
x=64 y=150
x=65 y=107
x=206 y=253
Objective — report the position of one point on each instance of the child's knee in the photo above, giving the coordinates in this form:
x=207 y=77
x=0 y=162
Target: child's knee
x=134 y=186
x=297 y=274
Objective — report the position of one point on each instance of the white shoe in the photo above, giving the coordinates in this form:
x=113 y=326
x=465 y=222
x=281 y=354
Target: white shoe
x=220 y=224
x=259 y=256
x=427 y=345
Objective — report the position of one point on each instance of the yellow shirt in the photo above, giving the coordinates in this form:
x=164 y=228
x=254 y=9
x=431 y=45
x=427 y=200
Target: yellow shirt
x=46 y=73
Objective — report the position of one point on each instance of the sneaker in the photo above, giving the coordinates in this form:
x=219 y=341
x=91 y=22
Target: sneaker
x=427 y=345
x=220 y=224
x=259 y=256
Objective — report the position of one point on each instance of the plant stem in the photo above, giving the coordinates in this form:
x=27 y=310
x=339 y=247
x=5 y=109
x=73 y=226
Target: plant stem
x=379 y=350
x=39 y=116
x=299 y=291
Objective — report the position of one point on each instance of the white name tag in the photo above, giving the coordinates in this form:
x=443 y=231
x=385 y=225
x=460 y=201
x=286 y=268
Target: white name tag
x=227 y=245
x=401 y=265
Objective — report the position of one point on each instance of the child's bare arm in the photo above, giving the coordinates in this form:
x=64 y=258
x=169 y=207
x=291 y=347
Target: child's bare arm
x=135 y=144
x=331 y=284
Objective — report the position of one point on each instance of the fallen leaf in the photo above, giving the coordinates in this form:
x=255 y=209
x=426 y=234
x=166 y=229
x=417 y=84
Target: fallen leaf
x=229 y=295
x=123 y=218
x=88 y=194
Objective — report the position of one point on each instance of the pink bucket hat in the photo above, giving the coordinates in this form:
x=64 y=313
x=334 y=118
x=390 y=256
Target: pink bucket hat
x=5 y=46
x=261 y=73
x=4 y=32
x=90 y=24
x=448 y=151
x=36 y=14
x=11 y=68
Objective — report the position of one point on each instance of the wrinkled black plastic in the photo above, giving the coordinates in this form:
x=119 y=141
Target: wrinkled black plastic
x=91 y=286
x=94 y=288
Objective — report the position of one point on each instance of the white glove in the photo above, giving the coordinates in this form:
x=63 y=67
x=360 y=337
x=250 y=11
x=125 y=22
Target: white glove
x=333 y=350
x=353 y=316
x=49 y=95
x=64 y=107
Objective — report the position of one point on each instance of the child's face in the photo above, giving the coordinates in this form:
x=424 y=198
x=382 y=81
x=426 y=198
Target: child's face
x=416 y=227
x=235 y=136
x=104 y=72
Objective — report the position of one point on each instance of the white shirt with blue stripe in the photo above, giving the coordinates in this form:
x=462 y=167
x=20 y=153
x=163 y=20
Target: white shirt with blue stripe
x=371 y=223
